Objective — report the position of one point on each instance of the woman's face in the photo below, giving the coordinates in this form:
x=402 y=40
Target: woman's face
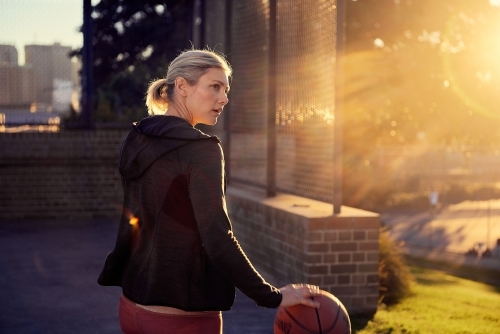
x=206 y=99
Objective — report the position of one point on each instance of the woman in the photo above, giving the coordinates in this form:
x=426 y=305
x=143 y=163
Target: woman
x=175 y=257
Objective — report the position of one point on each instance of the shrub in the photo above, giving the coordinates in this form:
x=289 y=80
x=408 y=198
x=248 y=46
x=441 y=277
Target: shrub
x=394 y=274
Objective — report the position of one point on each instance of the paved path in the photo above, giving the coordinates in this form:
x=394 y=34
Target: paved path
x=48 y=272
x=449 y=232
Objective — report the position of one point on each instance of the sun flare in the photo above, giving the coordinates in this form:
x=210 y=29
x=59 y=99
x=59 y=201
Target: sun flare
x=134 y=221
x=495 y=3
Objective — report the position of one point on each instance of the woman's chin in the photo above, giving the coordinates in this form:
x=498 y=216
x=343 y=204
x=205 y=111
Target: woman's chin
x=208 y=122
x=211 y=121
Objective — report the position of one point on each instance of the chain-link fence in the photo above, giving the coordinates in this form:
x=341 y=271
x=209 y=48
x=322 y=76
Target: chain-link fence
x=305 y=92
x=305 y=97
x=248 y=113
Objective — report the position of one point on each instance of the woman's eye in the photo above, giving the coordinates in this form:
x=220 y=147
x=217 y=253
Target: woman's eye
x=216 y=87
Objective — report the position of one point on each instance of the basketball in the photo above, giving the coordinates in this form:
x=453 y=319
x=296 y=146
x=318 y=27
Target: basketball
x=330 y=318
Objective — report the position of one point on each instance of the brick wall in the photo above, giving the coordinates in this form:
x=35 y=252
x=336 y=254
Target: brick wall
x=66 y=174
x=293 y=239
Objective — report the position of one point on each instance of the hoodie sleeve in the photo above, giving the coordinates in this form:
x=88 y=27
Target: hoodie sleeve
x=207 y=193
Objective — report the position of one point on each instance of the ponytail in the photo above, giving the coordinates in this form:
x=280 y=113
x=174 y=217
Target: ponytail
x=157 y=97
x=190 y=65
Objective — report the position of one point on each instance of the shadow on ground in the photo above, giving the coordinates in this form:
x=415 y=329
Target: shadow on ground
x=48 y=278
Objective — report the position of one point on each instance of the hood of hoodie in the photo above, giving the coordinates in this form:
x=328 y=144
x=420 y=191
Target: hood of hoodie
x=153 y=137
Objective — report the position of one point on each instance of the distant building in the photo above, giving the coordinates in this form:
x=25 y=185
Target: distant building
x=16 y=85
x=76 y=67
x=16 y=82
x=8 y=55
x=53 y=77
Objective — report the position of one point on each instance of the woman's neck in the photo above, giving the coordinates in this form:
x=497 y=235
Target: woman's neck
x=174 y=110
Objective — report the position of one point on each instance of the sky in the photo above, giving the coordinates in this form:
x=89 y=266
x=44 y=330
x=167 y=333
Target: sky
x=25 y=22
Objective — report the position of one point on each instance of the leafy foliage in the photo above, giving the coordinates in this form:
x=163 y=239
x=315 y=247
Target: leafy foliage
x=394 y=275
x=417 y=73
x=133 y=43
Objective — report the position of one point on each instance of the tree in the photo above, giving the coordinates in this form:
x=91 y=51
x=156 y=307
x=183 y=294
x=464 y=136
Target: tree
x=133 y=43
x=417 y=72
x=427 y=66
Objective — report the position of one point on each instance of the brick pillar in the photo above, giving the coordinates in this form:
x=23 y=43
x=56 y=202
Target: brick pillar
x=292 y=239
x=342 y=256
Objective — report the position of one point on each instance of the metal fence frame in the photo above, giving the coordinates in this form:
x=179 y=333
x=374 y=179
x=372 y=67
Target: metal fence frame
x=270 y=187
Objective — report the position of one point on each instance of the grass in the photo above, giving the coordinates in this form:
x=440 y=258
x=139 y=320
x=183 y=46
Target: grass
x=440 y=303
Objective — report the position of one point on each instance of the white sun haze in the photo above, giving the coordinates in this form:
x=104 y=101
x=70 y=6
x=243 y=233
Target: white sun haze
x=43 y=22
x=495 y=3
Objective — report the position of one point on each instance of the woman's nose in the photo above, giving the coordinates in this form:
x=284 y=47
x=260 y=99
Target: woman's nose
x=224 y=100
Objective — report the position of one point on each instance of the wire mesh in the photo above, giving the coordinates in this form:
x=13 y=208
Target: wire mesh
x=248 y=96
x=305 y=97
x=216 y=39
x=305 y=91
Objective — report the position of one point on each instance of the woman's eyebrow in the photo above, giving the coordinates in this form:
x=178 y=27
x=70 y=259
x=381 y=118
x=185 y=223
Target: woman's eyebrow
x=222 y=83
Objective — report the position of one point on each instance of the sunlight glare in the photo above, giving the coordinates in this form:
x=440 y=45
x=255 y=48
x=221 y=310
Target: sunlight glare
x=378 y=43
x=495 y=3
x=134 y=221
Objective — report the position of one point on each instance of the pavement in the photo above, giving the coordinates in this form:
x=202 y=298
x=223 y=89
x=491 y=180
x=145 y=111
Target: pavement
x=48 y=273
x=49 y=268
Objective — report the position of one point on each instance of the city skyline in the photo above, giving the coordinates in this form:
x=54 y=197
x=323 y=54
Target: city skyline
x=41 y=22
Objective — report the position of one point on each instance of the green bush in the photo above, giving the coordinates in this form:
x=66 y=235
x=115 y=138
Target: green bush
x=394 y=274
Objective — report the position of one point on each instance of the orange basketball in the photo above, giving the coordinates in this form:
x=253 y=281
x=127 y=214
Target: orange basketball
x=330 y=318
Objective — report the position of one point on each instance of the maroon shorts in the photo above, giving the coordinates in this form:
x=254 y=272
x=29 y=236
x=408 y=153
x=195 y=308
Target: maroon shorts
x=137 y=320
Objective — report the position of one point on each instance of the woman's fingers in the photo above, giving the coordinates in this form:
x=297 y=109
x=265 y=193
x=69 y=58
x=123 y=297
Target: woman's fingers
x=310 y=303
x=294 y=294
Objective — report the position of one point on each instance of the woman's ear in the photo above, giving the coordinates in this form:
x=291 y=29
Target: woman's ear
x=181 y=86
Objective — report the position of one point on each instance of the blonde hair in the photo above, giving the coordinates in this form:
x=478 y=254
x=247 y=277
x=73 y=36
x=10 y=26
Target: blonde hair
x=190 y=65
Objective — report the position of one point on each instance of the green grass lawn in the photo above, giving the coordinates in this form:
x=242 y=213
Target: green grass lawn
x=440 y=303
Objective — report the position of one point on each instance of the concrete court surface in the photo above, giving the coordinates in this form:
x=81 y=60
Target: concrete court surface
x=48 y=273
x=48 y=268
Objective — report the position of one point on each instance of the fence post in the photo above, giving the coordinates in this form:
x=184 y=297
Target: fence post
x=339 y=96
x=199 y=24
x=271 y=103
x=87 y=66
x=227 y=113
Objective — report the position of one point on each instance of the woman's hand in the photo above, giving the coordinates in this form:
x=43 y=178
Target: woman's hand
x=294 y=294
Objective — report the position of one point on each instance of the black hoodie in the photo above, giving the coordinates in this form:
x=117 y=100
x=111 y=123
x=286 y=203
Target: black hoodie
x=175 y=245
